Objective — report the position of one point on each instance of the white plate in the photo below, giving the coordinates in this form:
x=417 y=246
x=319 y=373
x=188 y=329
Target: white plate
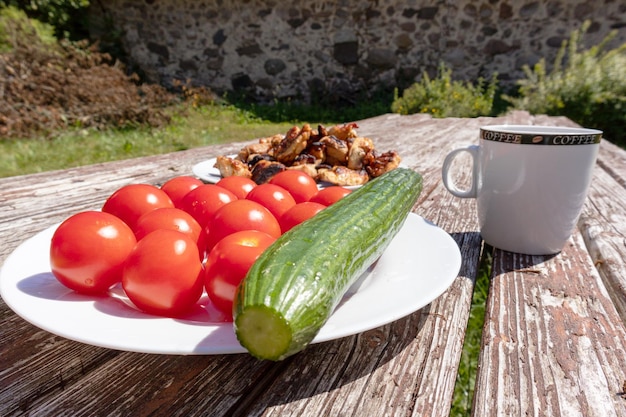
x=208 y=173
x=420 y=263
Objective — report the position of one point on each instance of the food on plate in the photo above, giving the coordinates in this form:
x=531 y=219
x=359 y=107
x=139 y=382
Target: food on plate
x=171 y=256
x=237 y=216
x=337 y=155
x=163 y=274
x=88 y=251
x=292 y=289
x=299 y=184
x=240 y=186
x=202 y=202
x=170 y=219
x=330 y=195
x=177 y=187
x=229 y=262
x=299 y=213
x=132 y=201
x=273 y=197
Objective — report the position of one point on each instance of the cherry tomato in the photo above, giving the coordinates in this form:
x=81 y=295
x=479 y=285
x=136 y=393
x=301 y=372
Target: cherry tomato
x=202 y=202
x=171 y=219
x=330 y=195
x=240 y=186
x=237 y=216
x=299 y=184
x=177 y=187
x=163 y=274
x=273 y=197
x=299 y=213
x=88 y=250
x=229 y=262
x=131 y=201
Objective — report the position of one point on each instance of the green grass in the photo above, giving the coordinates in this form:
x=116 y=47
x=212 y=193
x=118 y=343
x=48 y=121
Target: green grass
x=199 y=127
x=191 y=128
x=466 y=378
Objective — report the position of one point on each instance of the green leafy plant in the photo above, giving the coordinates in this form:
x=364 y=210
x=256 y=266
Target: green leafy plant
x=587 y=86
x=67 y=17
x=16 y=28
x=48 y=85
x=445 y=97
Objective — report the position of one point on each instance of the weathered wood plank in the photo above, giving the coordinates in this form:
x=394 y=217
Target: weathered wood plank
x=63 y=194
x=43 y=364
x=419 y=378
x=612 y=159
x=417 y=357
x=552 y=341
x=405 y=368
x=31 y=203
x=603 y=227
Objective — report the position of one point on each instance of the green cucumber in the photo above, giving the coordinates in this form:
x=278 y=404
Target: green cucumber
x=294 y=286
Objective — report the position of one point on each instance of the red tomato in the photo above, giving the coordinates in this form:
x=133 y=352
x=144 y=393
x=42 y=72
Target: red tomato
x=170 y=219
x=330 y=195
x=88 y=250
x=178 y=187
x=237 y=216
x=229 y=262
x=163 y=274
x=240 y=186
x=202 y=202
x=299 y=184
x=131 y=201
x=273 y=197
x=299 y=213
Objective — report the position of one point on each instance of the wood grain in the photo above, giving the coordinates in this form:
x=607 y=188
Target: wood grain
x=405 y=368
x=553 y=341
x=603 y=223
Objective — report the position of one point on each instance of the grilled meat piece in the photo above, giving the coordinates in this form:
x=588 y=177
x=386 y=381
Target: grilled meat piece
x=232 y=166
x=264 y=170
x=254 y=159
x=377 y=165
x=336 y=150
x=336 y=155
x=359 y=147
x=310 y=169
x=294 y=142
x=304 y=158
x=341 y=175
x=262 y=147
x=344 y=131
x=316 y=149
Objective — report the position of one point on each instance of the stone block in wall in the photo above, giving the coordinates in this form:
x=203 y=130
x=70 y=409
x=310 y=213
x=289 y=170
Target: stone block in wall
x=305 y=49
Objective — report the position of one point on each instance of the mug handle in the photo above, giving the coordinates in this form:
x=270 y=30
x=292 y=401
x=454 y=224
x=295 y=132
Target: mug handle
x=445 y=171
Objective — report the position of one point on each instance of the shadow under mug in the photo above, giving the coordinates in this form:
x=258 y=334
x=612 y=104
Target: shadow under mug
x=529 y=182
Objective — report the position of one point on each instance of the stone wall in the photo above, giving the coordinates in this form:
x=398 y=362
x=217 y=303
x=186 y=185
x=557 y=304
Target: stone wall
x=302 y=48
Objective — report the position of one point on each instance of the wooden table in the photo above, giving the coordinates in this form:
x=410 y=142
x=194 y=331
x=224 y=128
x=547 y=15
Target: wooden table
x=554 y=341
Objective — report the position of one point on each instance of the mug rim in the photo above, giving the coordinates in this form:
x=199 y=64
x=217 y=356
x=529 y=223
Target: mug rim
x=540 y=135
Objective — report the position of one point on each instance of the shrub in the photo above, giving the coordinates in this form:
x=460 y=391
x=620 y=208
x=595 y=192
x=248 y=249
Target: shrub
x=66 y=17
x=443 y=97
x=49 y=85
x=589 y=88
x=16 y=27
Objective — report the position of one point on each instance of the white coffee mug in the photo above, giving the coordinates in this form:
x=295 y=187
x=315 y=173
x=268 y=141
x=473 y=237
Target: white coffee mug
x=529 y=182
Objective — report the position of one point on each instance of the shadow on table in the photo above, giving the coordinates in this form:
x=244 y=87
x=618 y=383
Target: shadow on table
x=325 y=367
x=504 y=262
x=239 y=384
